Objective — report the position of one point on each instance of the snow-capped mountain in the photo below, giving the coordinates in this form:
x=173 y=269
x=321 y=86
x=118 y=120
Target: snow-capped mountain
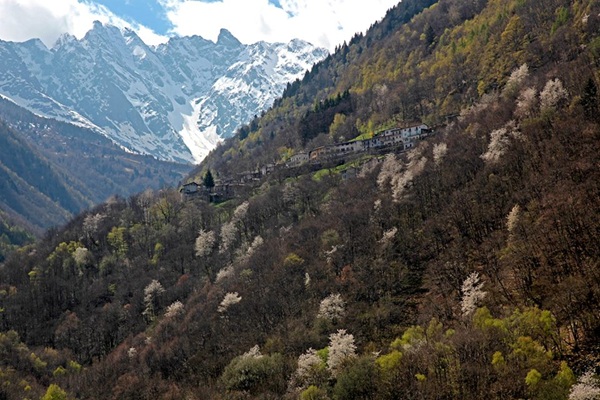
x=175 y=101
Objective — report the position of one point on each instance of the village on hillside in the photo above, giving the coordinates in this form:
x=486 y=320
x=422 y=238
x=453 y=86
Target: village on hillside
x=396 y=140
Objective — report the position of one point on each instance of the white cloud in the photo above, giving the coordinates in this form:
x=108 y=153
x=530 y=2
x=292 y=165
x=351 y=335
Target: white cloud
x=324 y=23
x=22 y=20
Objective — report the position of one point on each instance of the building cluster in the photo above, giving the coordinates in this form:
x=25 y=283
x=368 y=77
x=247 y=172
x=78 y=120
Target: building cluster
x=395 y=139
x=403 y=138
x=220 y=192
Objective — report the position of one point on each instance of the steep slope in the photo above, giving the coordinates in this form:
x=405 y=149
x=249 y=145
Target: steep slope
x=12 y=235
x=30 y=187
x=466 y=268
x=52 y=170
x=174 y=102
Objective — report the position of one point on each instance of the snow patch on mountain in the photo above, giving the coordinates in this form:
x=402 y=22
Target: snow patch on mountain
x=57 y=111
x=199 y=142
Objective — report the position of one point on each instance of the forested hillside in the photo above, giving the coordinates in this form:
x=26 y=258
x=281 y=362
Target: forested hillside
x=50 y=170
x=30 y=186
x=12 y=235
x=465 y=268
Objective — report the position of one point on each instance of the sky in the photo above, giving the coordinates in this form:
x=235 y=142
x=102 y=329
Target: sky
x=325 y=23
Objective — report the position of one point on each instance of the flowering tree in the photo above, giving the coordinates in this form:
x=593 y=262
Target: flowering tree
x=229 y=230
x=230 y=299
x=174 y=310
x=527 y=103
x=388 y=236
x=91 y=223
x=228 y=234
x=132 y=352
x=553 y=94
x=151 y=294
x=472 y=294
x=586 y=388
x=244 y=256
x=415 y=167
x=390 y=168
x=439 y=151
x=341 y=348
x=81 y=256
x=332 y=307
x=513 y=218
x=254 y=352
x=499 y=142
x=205 y=243
x=516 y=79
x=311 y=370
x=226 y=272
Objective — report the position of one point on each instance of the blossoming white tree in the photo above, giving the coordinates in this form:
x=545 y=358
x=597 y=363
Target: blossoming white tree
x=230 y=299
x=388 y=236
x=332 y=307
x=472 y=294
x=91 y=223
x=254 y=352
x=174 y=310
x=552 y=95
x=310 y=368
x=439 y=152
x=526 y=103
x=390 y=168
x=151 y=294
x=499 y=142
x=224 y=273
x=516 y=79
x=132 y=352
x=513 y=218
x=205 y=243
x=228 y=234
x=81 y=255
x=229 y=230
x=415 y=167
x=586 y=388
x=341 y=348
x=244 y=253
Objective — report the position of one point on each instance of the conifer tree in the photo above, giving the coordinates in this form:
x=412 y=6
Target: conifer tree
x=589 y=100
x=209 y=181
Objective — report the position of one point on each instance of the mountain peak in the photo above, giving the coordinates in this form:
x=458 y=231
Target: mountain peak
x=63 y=40
x=35 y=43
x=100 y=29
x=226 y=38
x=98 y=26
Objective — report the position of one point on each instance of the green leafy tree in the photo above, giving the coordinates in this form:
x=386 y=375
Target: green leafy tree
x=255 y=373
x=54 y=392
x=313 y=393
x=116 y=238
x=357 y=381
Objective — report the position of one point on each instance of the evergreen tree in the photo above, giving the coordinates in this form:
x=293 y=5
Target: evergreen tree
x=589 y=100
x=429 y=36
x=209 y=181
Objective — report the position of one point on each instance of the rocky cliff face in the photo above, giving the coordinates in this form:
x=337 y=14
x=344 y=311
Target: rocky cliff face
x=175 y=101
